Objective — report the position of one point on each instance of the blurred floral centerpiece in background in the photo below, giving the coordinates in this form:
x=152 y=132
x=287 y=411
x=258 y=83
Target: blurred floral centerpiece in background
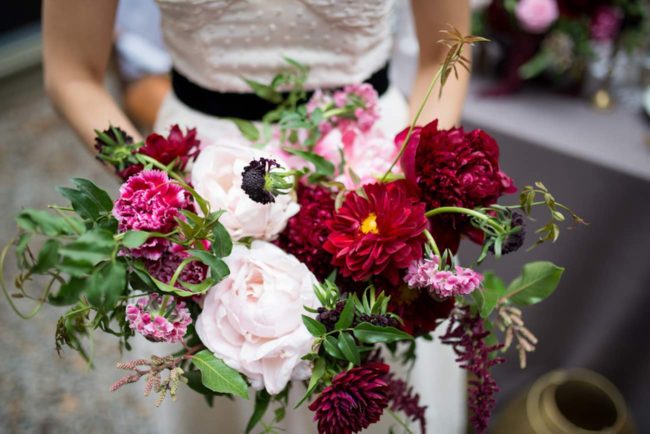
x=557 y=39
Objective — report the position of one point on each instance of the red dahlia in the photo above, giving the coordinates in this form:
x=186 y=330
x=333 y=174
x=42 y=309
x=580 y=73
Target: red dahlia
x=177 y=147
x=306 y=232
x=355 y=400
x=378 y=234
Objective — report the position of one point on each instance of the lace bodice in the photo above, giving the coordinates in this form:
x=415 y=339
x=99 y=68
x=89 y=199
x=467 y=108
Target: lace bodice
x=215 y=43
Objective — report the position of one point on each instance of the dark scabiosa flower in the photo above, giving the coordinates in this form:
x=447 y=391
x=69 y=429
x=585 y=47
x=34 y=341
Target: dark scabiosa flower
x=466 y=334
x=355 y=400
x=115 y=134
x=262 y=184
x=420 y=313
x=516 y=238
x=306 y=232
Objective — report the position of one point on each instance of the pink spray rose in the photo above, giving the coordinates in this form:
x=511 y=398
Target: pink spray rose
x=536 y=16
x=150 y=201
x=217 y=177
x=252 y=319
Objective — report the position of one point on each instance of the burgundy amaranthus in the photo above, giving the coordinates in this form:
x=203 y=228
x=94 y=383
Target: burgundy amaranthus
x=402 y=398
x=466 y=334
x=355 y=400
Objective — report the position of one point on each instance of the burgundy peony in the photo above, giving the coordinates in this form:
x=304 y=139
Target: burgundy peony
x=355 y=400
x=177 y=147
x=306 y=232
x=150 y=201
x=379 y=234
x=454 y=168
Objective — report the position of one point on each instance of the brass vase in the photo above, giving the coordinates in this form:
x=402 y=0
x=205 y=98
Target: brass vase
x=576 y=401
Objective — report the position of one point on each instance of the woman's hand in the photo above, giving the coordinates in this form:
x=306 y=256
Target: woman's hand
x=430 y=18
x=77 y=41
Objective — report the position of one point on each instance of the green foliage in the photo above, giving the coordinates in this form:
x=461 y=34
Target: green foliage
x=219 y=377
x=372 y=334
x=537 y=282
x=487 y=297
x=262 y=401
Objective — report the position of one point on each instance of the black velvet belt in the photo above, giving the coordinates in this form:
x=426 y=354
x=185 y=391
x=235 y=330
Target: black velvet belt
x=243 y=105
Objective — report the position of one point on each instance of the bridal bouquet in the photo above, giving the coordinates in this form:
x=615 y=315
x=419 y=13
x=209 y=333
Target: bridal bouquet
x=558 y=37
x=315 y=253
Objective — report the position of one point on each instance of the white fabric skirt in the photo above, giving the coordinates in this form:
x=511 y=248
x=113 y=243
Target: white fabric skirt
x=436 y=376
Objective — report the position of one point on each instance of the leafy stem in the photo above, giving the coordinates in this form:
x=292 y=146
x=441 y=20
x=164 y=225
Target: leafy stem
x=432 y=242
x=470 y=212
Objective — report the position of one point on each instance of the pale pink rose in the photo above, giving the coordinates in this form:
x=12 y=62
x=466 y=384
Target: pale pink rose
x=367 y=154
x=536 y=16
x=217 y=177
x=252 y=319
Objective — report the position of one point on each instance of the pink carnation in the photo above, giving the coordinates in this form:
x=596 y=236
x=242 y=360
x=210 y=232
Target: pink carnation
x=536 y=16
x=150 y=201
x=442 y=283
x=363 y=95
x=159 y=323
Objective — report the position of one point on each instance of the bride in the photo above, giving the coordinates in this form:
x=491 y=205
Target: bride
x=213 y=44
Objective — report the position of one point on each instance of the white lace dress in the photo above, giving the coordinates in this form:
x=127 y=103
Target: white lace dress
x=214 y=43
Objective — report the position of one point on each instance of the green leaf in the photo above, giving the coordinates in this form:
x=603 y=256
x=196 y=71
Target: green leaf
x=322 y=166
x=316 y=374
x=332 y=348
x=219 y=377
x=247 y=129
x=106 y=285
x=316 y=328
x=134 y=239
x=99 y=196
x=33 y=220
x=347 y=315
x=87 y=208
x=349 y=348
x=92 y=247
x=372 y=334
x=68 y=293
x=48 y=256
x=538 y=280
x=262 y=400
x=164 y=287
x=222 y=245
x=264 y=91
x=487 y=297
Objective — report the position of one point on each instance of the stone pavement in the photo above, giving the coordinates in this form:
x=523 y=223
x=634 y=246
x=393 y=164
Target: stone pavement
x=41 y=392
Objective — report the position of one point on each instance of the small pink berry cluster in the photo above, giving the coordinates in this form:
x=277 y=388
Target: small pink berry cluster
x=425 y=274
x=159 y=323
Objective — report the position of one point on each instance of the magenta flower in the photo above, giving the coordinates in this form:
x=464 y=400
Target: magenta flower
x=164 y=268
x=365 y=98
x=605 y=23
x=442 y=283
x=156 y=322
x=150 y=201
x=355 y=400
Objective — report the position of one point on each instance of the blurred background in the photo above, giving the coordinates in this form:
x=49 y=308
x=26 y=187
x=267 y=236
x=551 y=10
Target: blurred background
x=574 y=112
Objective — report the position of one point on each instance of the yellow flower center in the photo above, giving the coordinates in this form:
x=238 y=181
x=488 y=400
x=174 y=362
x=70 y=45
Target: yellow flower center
x=369 y=225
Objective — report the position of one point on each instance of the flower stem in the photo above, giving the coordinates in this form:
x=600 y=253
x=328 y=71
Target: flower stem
x=470 y=212
x=402 y=148
x=179 y=270
x=400 y=421
x=432 y=242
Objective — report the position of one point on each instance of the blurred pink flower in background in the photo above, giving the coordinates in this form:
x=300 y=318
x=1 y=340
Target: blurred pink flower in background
x=605 y=23
x=536 y=16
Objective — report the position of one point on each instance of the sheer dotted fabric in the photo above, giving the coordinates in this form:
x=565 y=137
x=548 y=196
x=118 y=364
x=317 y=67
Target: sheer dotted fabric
x=216 y=42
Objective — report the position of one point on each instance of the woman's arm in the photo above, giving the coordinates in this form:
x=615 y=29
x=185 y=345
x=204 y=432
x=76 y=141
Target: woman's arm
x=77 y=40
x=430 y=18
